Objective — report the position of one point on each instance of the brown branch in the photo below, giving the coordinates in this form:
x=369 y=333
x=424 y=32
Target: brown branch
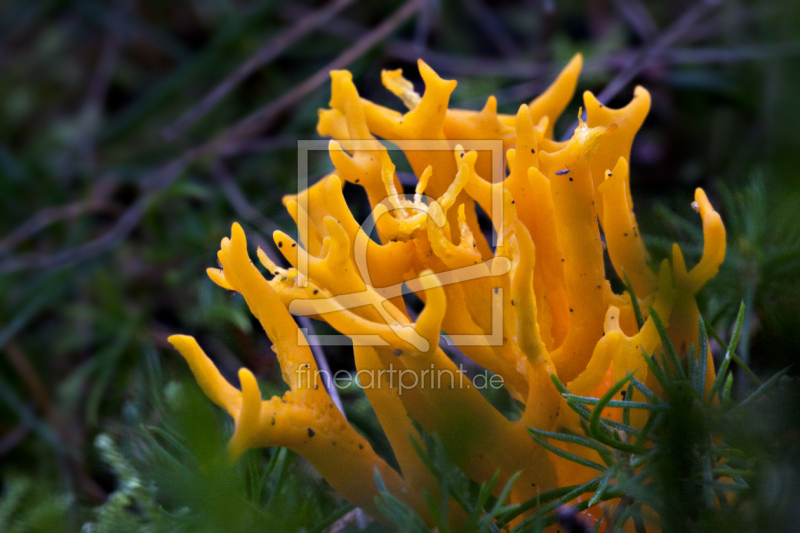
x=440 y=61
x=100 y=81
x=109 y=55
x=258 y=145
x=63 y=434
x=158 y=181
x=257 y=120
x=422 y=30
x=455 y=64
x=163 y=177
x=639 y=18
x=670 y=36
x=322 y=363
x=20 y=362
x=237 y=200
x=268 y=52
x=492 y=27
x=48 y=216
x=701 y=56
x=680 y=27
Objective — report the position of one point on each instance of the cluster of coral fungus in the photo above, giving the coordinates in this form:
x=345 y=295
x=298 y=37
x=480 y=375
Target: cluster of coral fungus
x=557 y=210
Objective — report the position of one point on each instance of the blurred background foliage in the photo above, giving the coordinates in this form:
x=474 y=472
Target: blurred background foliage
x=117 y=183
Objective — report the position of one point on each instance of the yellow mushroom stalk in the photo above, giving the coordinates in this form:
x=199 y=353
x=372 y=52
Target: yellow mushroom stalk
x=531 y=302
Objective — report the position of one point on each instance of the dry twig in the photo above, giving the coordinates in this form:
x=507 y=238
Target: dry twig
x=257 y=120
x=269 y=51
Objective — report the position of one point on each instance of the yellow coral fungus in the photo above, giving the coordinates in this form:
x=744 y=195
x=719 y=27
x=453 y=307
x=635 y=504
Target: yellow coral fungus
x=538 y=303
